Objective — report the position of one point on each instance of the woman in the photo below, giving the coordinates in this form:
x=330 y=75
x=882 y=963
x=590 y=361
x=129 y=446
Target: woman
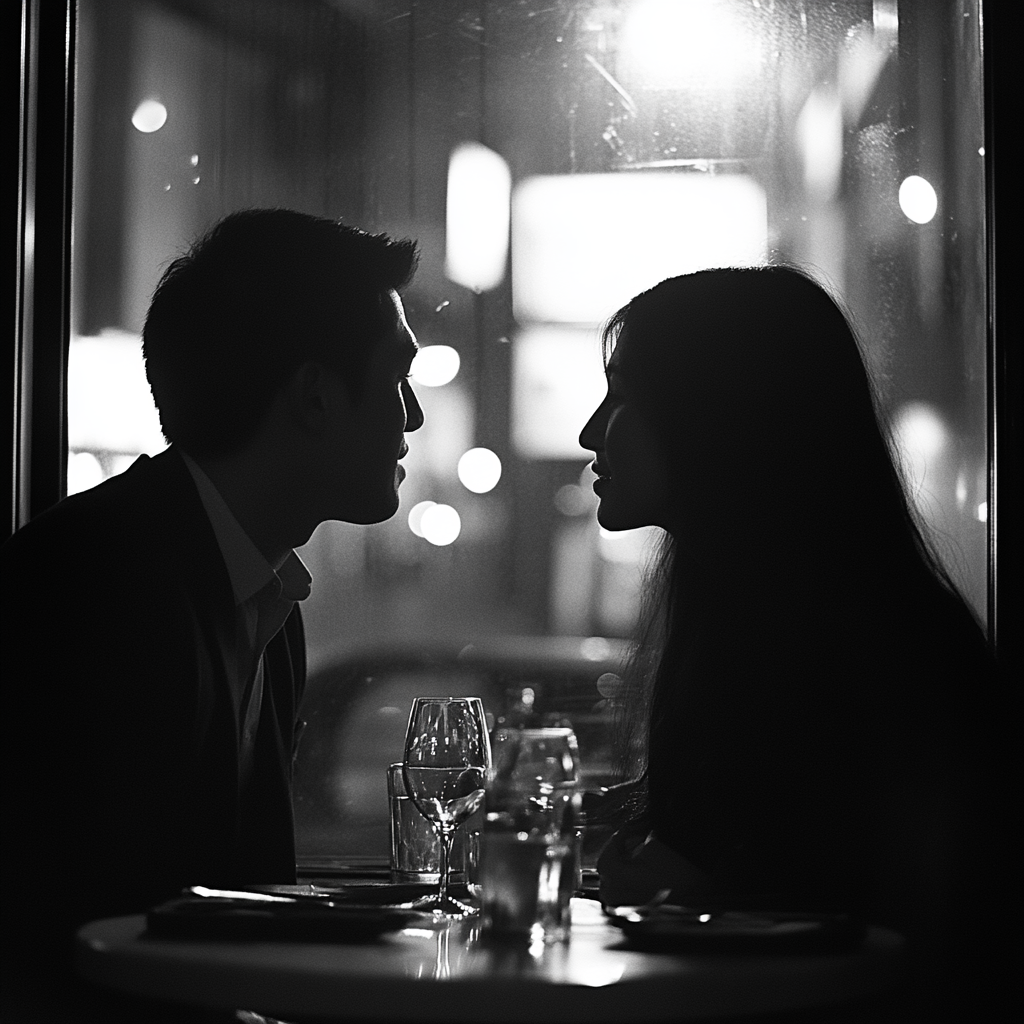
x=814 y=690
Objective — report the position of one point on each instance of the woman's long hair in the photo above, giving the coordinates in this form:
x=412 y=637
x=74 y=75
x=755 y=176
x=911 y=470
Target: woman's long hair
x=754 y=382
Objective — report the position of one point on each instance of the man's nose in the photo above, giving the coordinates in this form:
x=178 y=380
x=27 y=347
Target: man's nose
x=413 y=410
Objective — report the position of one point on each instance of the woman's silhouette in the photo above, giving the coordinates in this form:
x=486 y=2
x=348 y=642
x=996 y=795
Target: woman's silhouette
x=814 y=688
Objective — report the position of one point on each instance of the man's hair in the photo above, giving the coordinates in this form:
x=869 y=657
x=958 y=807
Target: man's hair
x=257 y=296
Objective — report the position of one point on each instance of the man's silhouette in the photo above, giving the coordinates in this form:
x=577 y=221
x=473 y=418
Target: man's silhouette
x=152 y=637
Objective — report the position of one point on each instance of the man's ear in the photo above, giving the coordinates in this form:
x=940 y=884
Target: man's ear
x=310 y=396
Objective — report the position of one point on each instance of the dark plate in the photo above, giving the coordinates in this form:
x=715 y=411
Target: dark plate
x=367 y=894
x=681 y=929
x=205 y=917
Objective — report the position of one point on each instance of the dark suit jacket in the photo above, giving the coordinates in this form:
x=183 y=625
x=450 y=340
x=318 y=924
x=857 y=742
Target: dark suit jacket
x=118 y=630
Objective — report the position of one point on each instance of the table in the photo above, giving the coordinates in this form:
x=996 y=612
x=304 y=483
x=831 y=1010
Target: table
x=442 y=971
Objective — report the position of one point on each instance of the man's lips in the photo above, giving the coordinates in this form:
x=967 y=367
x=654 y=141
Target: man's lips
x=600 y=470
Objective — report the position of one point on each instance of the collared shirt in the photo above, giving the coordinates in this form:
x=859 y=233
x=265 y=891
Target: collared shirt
x=264 y=598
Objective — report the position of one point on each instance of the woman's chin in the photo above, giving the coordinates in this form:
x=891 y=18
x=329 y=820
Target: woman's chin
x=613 y=520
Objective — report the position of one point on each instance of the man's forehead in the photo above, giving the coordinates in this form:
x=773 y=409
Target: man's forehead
x=399 y=337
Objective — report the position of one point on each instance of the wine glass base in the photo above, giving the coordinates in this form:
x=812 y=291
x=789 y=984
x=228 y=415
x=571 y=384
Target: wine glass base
x=443 y=906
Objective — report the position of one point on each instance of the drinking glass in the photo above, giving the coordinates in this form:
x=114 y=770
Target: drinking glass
x=529 y=849
x=447 y=758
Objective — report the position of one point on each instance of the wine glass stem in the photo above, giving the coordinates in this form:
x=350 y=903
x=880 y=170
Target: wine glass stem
x=447 y=839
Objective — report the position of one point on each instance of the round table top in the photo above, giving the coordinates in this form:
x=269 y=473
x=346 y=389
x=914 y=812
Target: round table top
x=442 y=971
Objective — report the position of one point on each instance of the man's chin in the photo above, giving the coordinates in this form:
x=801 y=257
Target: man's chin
x=367 y=514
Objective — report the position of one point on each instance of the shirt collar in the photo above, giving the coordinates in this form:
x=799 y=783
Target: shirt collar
x=248 y=570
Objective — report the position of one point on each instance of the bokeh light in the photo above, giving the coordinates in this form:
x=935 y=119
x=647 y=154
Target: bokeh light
x=918 y=199
x=150 y=116
x=479 y=470
x=435 y=365
x=922 y=436
x=441 y=525
x=572 y=500
x=416 y=516
x=920 y=430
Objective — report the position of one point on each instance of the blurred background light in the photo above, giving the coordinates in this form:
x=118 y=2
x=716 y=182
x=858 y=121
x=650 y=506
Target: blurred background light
x=435 y=365
x=627 y=546
x=920 y=430
x=150 y=116
x=595 y=648
x=572 y=500
x=479 y=470
x=477 y=217
x=584 y=244
x=819 y=133
x=683 y=44
x=557 y=382
x=441 y=525
x=84 y=471
x=110 y=406
x=416 y=516
x=922 y=436
x=918 y=199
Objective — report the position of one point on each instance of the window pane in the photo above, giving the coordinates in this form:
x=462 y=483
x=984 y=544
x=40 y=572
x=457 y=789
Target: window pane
x=541 y=152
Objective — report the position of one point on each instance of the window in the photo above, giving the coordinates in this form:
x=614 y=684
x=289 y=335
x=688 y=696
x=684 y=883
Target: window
x=534 y=149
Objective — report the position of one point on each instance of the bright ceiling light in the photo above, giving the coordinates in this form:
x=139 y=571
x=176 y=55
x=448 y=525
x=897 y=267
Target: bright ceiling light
x=688 y=44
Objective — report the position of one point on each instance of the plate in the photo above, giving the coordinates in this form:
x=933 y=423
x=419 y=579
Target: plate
x=301 y=920
x=684 y=929
x=368 y=894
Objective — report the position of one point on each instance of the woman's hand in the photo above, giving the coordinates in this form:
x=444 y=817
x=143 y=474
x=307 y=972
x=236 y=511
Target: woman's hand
x=634 y=866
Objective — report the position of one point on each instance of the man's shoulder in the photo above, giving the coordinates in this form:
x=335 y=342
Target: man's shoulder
x=126 y=518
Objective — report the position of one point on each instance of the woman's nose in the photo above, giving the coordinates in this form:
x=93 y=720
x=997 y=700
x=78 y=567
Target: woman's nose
x=592 y=434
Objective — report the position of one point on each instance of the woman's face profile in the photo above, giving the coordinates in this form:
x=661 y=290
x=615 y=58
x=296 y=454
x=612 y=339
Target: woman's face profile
x=632 y=473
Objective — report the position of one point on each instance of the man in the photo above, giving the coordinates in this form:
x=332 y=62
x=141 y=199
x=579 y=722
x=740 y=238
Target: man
x=162 y=654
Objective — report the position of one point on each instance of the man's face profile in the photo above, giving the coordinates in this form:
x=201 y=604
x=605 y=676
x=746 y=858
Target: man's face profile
x=367 y=439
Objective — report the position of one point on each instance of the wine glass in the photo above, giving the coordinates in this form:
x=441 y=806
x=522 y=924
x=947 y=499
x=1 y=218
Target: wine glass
x=447 y=758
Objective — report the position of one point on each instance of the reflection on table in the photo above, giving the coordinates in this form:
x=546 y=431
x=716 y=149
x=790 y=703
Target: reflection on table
x=444 y=970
